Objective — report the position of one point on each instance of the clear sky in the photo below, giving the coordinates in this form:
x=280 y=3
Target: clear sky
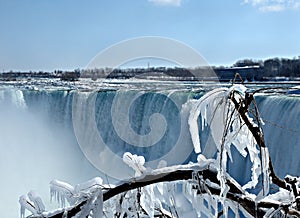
x=67 y=34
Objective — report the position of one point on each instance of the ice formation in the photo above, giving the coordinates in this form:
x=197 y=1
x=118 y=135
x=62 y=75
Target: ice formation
x=37 y=201
x=135 y=162
x=26 y=204
x=62 y=191
x=203 y=106
x=227 y=128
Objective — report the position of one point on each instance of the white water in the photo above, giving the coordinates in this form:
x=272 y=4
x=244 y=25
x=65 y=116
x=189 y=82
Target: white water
x=33 y=153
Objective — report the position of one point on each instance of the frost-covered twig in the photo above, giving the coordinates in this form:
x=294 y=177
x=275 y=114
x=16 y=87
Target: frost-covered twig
x=242 y=107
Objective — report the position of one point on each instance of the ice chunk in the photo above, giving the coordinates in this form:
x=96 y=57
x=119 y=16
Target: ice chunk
x=241 y=89
x=135 y=162
x=204 y=162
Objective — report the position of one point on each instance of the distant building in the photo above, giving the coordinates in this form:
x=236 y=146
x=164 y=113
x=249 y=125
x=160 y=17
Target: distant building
x=250 y=73
x=70 y=75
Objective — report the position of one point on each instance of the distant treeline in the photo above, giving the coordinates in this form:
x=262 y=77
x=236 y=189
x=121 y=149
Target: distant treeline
x=248 y=69
x=274 y=67
x=63 y=75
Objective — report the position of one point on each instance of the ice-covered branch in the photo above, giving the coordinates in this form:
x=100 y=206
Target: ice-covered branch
x=242 y=107
x=182 y=173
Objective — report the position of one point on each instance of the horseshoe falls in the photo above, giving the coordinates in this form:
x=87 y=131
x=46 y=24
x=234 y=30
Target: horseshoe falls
x=281 y=121
x=76 y=134
x=281 y=115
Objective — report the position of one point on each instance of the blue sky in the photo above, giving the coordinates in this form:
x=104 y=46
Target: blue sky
x=67 y=34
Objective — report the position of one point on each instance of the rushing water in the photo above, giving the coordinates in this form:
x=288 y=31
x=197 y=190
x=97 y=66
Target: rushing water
x=74 y=132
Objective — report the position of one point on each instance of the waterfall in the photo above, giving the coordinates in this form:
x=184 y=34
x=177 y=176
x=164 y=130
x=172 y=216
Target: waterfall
x=77 y=135
x=152 y=124
x=281 y=115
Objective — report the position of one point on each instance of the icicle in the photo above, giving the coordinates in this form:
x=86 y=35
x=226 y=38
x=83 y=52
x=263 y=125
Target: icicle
x=256 y=170
x=199 y=205
x=215 y=207
x=204 y=118
x=188 y=192
x=207 y=210
x=118 y=206
x=94 y=206
x=23 y=202
x=209 y=201
x=222 y=159
x=193 y=124
x=225 y=209
x=98 y=205
x=128 y=200
x=234 y=206
x=86 y=209
x=111 y=207
x=265 y=168
x=237 y=211
x=147 y=200
x=62 y=191
x=22 y=211
x=52 y=194
x=203 y=106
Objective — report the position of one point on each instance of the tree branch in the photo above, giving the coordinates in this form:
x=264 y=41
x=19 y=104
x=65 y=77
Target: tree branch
x=235 y=193
x=242 y=108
